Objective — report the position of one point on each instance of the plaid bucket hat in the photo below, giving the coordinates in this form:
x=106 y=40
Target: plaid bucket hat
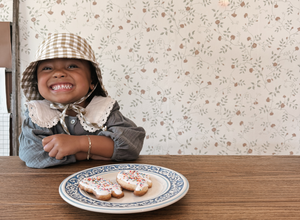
x=59 y=45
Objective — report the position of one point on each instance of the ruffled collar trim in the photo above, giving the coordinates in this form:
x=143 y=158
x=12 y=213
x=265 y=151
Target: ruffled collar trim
x=97 y=112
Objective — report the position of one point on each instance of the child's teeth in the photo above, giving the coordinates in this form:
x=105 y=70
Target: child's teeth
x=62 y=87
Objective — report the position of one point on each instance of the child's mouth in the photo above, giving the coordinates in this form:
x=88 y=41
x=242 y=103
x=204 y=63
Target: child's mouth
x=61 y=87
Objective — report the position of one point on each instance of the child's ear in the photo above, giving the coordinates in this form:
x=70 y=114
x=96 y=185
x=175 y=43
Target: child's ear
x=92 y=86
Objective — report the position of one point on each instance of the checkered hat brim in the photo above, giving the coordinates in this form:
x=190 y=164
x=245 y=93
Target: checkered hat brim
x=61 y=45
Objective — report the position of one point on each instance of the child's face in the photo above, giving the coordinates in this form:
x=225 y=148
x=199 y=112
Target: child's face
x=64 y=80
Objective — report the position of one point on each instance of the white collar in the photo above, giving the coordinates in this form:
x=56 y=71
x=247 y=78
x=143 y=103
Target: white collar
x=97 y=112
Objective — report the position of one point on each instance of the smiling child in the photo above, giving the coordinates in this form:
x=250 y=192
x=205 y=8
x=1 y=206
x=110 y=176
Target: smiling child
x=69 y=115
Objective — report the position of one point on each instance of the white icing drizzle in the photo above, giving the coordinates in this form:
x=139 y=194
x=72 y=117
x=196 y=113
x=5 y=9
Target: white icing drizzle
x=101 y=186
x=140 y=180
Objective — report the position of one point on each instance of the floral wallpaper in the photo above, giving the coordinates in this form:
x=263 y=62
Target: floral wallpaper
x=6 y=10
x=201 y=76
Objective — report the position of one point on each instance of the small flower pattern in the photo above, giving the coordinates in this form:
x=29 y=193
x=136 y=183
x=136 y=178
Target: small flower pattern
x=6 y=10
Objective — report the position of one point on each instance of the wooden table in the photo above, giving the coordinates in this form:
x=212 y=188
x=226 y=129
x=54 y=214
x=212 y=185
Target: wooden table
x=221 y=187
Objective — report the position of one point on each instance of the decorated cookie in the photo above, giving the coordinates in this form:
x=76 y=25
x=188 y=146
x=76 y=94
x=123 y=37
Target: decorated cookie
x=103 y=189
x=135 y=181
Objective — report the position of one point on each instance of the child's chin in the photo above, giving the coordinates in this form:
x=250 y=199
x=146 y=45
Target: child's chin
x=62 y=101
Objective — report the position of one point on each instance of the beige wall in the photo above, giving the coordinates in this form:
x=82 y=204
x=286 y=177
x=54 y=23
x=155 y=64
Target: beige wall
x=201 y=78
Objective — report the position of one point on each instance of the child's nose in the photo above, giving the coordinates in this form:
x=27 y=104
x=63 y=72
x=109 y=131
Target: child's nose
x=59 y=73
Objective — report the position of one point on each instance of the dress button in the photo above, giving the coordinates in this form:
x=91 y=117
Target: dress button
x=73 y=121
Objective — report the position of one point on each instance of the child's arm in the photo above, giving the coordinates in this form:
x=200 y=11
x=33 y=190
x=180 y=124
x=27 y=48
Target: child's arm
x=127 y=137
x=31 y=150
x=61 y=145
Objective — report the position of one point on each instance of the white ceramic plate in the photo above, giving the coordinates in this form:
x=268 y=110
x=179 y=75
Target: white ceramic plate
x=168 y=187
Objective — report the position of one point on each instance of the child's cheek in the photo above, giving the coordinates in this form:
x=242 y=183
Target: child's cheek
x=42 y=86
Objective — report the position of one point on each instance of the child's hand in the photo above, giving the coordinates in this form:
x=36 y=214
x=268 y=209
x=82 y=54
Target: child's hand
x=61 y=145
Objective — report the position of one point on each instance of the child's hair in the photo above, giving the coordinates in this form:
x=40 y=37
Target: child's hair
x=99 y=90
x=62 y=45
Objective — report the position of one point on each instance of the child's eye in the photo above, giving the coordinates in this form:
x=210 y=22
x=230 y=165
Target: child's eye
x=73 y=66
x=46 y=68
